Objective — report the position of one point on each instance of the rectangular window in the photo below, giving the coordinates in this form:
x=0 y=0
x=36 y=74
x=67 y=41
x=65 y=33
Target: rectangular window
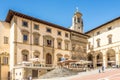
x=59 y=33
x=78 y=19
x=109 y=28
x=48 y=30
x=49 y=43
x=36 y=27
x=25 y=57
x=66 y=46
x=5 y=60
x=66 y=34
x=25 y=37
x=98 y=43
x=36 y=40
x=25 y=23
x=109 y=40
x=59 y=45
x=98 y=32
x=5 y=40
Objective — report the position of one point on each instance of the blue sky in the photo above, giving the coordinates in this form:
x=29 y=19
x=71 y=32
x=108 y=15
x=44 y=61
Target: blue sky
x=95 y=12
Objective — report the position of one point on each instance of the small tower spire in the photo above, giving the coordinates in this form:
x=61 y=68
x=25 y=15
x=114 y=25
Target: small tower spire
x=77 y=22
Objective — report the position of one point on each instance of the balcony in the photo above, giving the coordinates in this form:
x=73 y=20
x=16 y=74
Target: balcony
x=35 y=63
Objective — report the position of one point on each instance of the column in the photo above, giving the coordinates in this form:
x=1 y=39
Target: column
x=104 y=58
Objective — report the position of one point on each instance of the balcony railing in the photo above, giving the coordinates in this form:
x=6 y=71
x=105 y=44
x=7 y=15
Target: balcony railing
x=32 y=65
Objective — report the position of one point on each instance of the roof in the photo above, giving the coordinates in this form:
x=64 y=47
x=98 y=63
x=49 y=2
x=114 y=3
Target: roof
x=102 y=25
x=11 y=13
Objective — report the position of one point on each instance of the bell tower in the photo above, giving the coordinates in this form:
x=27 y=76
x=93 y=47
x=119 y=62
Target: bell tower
x=77 y=22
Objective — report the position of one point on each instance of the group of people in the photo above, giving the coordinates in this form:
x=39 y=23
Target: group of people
x=101 y=70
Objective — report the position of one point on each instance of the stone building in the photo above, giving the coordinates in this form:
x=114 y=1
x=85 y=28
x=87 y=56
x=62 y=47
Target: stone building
x=104 y=44
x=34 y=47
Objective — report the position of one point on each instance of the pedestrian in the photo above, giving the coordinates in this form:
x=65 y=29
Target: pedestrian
x=99 y=71
x=102 y=68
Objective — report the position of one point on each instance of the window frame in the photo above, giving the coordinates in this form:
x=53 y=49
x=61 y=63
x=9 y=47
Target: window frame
x=36 y=26
x=66 y=35
x=5 y=60
x=24 y=23
x=49 y=30
x=59 y=33
x=6 y=40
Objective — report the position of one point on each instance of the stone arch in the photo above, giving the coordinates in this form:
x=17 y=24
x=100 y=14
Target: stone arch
x=25 y=55
x=90 y=59
x=99 y=59
x=59 y=57
x=111 y=57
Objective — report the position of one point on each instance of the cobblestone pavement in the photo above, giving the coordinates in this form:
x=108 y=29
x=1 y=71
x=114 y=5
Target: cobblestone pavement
x=109 y=74
x=113 y=74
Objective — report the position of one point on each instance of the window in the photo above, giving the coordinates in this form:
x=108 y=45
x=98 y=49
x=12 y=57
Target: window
x=5 y=40
x=25 y=38
x=59 y=32
x=59 y=45
x=49 y=43
x=25 y=23
x=78 y=19
x=66 y=34
x=36 y=27
x=109 y=28
x=25 y=57
x=48 y=30
x=5 y=60
x=98 y=42
x=36 y=40
x=66 y=46
x=109 y=39
x=25 y=54
x=98 y=32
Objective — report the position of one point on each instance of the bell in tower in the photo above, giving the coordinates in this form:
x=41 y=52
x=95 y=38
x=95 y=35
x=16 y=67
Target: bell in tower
x=77 y=22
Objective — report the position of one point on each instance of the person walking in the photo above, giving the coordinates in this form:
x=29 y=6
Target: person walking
x=99 y=71
x=102 y=68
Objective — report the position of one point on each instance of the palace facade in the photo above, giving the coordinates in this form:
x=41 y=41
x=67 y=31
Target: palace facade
x=104 y=44
x=32 y=47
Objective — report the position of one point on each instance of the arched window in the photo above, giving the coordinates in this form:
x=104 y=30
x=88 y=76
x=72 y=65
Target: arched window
x=36 y=54
x=25 y=54
x=25 y=36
